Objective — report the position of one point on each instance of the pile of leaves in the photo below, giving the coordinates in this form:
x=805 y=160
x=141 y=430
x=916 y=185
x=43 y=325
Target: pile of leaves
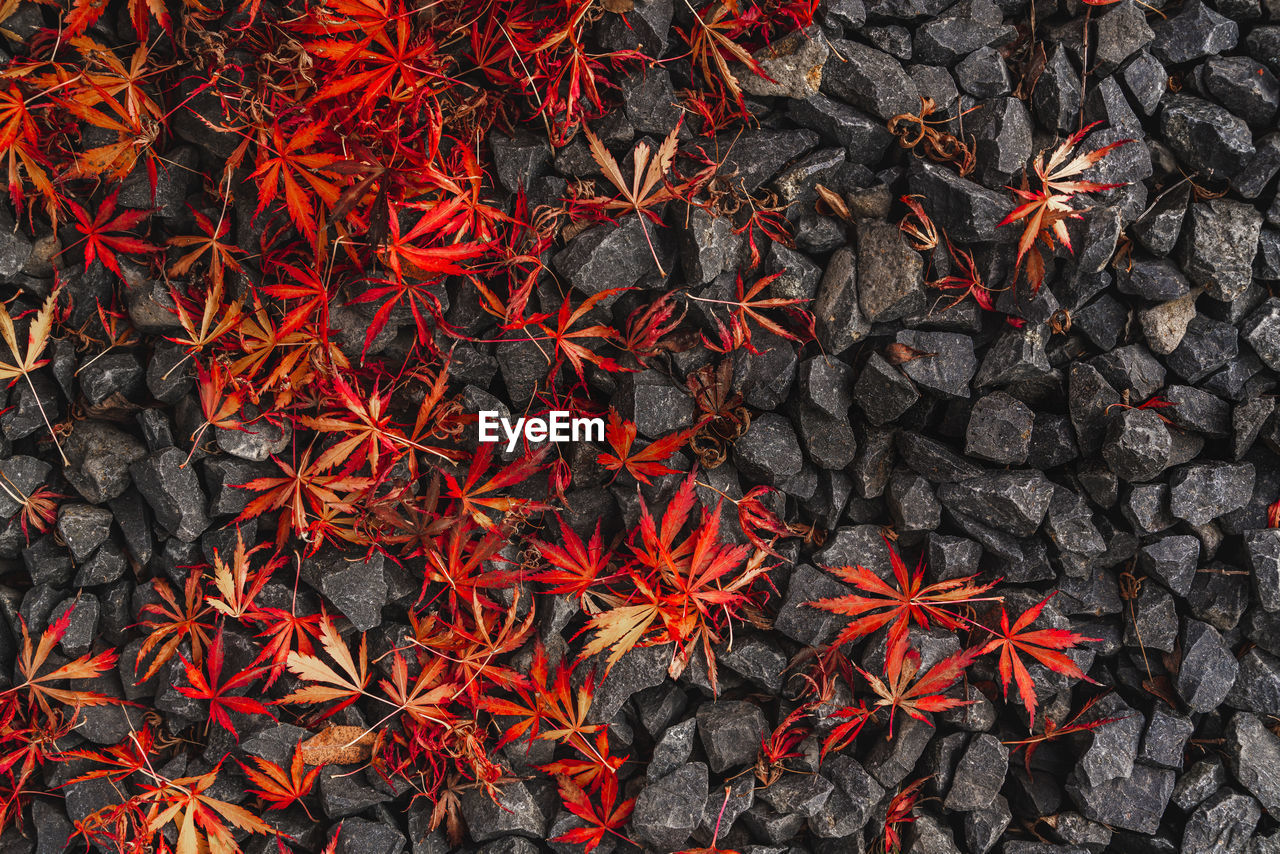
x=302 y=289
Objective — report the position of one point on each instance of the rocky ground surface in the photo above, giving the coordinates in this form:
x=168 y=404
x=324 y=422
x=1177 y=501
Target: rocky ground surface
x=1112 y=440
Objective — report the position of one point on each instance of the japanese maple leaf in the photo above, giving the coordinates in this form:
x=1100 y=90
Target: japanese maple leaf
x=344 y=685
x=420 y=298
x=645 y=463
x=26 y=359
x=880 y=604
x=899 y=813
x=20 y=147
x=1045 y=210
x=304 y=491
x=754 y=517
x=648 y=325
x=299 y=172
x=104 y=232
x=967 y=283
x=364 y=427
x=43 y=687
x=216 y=319
x=237 y=583
x=749 y=307
x=684 y=588
x=170 y=623
x=475 y=648
x=647 y=187
x=422 y=698
x=548 y=709
x=221 y=401
x=567 y=339
x=396 y=64
x=85 y=13
x=197 y=817
x=589 y=770
x=304 y=284
x=278 y=787
x=902 y=687
x=1044 y=645
x=119 y=761
x=1081 y=721
x=207 y=684
x=287 y=633
x=713 y=47
x=576 y=566
x=221 y=252
x=601 y=811
x=403 y=254
x=476 y=496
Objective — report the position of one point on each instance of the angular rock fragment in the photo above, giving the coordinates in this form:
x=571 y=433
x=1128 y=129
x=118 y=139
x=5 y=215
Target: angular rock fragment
x=168 y=482
x=890 y=282
x=946 y=363
x=1224 y=822
x=100 y=456
x=868 y=79
x=1205 y=136
x=1253 y=755
x=999 y=429
x=730 y=733
x=1221 y=239
x=1136 y=802
x=1201 y=492
x=839 y=320
x=1194 y=33
x=1010 y=501
x=1208 y=670
x=979 y=775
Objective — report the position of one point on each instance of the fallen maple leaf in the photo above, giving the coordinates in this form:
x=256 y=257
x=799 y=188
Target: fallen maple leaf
x=901 y=689
x=644 y=190
x=279 y=787
x=1044 y=645
x=41 y=686
x=103 y=233
x=645 y=463
x=601 y=811
x=1046 y=209
x=910 y=602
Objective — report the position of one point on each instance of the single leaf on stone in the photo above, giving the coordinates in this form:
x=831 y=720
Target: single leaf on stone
x=1044 y=645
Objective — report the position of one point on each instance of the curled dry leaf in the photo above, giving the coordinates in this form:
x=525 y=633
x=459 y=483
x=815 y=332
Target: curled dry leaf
x=831 y=203
x=338 y=745
x=900 y=354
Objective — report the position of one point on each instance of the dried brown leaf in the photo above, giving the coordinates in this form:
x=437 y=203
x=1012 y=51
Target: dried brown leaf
x=338 y=745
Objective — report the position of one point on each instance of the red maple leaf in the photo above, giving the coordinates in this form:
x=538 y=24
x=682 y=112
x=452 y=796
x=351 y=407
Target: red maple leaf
x=286 y=162
x=576 y=566
x=567 y=339
x=645 y=463
x=910 y=602
x=602 y=812
x=1045 y=211
x=404 y=255
x=278 y=787
x=899 y=813
x=901 y=689
x=548 y=709
x=103 y=232
x=1044 y=645
x=218 y=692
